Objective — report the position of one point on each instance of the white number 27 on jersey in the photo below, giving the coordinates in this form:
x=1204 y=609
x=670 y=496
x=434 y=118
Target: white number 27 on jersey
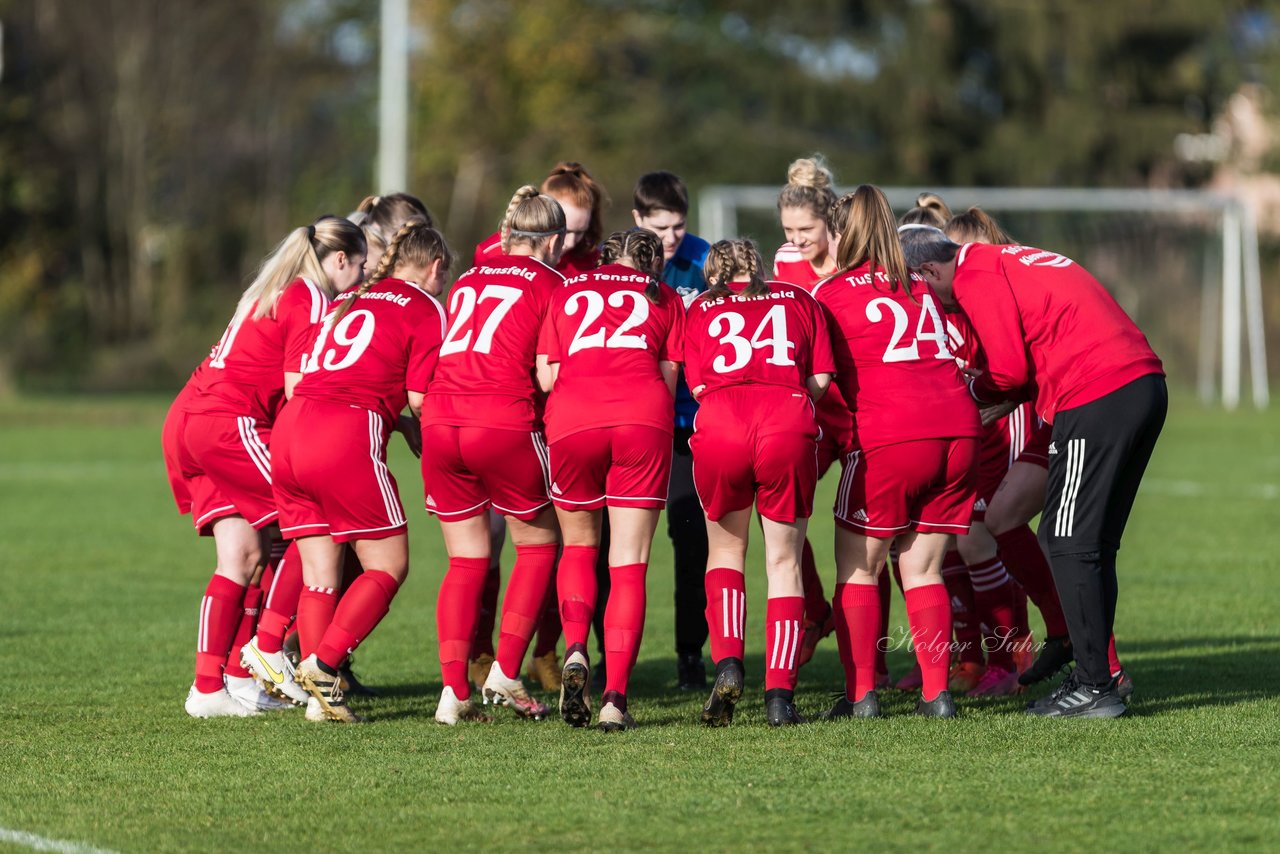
x=770 y=335
x=462 y=304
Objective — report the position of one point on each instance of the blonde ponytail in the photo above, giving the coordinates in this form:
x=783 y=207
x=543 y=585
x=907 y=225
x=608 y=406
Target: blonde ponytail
x=416 y=243
x=531 y=218
x=300 y=255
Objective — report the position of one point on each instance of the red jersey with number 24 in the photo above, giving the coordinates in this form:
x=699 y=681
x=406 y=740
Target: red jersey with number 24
x=778 y=339
x=380 y=349
x=608 y=339
x=486 y=373
x=893 y=361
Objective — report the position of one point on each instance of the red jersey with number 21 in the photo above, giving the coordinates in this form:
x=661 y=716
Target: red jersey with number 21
x=894 y=362
x=485 y=376
x=778 y=339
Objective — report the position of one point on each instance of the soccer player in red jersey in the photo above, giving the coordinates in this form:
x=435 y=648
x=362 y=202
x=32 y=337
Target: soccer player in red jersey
x=217 y=433
x=756 y=352
x=376 y=353
x=1041 y=318
x=910 y=478
x=612 y=341
x=481 y=422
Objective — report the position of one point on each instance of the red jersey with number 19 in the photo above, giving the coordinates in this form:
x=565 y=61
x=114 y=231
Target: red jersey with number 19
x=778 y=339
x=485 y=377
x=893 y=361
x=608 y=340
x=383 y=347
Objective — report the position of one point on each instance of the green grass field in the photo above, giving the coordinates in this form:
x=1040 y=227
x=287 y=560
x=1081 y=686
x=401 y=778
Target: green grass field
x=100 y=582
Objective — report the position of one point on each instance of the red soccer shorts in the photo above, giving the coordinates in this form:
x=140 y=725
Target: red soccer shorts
x=756 y=443
x=624 y=466
x=171 y=443
x=927 y=485
x=331 y=474
x=1036 y=450
x=226 y=467
x=467 y=469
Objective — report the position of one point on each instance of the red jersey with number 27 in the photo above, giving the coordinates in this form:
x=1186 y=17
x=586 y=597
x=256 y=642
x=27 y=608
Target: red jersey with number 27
x=486 y=373
x=894 y=362
x=608 y=340
x=244 y=373
x=380 y=349
x=777 y=339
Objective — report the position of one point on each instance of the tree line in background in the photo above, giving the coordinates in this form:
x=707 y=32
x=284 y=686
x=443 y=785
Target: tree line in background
x=151 y=152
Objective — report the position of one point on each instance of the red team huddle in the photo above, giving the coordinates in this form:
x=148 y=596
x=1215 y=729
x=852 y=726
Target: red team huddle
x=549 y=401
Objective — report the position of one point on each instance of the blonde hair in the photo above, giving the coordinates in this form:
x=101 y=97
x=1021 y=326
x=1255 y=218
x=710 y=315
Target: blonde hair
x=644 y=250
x=729 y=258
x=808 y=187
x=416 y=244
x=976 y=226
x=871 y=236
x=301 y=254
x=930 y=209
x=531 y=218
x=571 y=180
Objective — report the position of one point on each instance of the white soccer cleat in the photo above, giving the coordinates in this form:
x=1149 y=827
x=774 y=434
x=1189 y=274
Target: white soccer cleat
x=315 y=711
x=247 y=692
x=452 y=711
x=326 y=690
x=501 y=689
x=273 y=671
x=218 y=704
x=613 y=719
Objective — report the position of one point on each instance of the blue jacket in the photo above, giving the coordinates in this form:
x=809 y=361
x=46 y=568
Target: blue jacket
x=684 y=273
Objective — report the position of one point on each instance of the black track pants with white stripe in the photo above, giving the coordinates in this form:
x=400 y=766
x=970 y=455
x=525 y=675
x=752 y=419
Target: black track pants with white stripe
x=1096 y=462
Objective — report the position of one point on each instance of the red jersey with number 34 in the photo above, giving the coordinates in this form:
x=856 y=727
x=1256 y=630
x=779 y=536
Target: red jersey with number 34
x=778 y=339
x=894 y=362
x=486 y=373
x=380 y=349
x=244 y=373
x=608 y=340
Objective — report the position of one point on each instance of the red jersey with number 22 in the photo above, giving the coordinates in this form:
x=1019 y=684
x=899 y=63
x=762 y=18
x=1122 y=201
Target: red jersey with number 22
x=380 y=349
x=485 y=377
x=778 y=339
x=893 y=361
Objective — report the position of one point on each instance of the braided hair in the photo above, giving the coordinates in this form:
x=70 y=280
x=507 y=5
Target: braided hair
x=643 y=248
x=416 y=243
x=531 y=217
x=729 y=258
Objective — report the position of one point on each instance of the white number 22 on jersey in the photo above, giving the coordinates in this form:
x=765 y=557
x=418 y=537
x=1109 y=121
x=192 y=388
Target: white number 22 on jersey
x=898 y=352
x=728 y=327
x=593 y=307
x=462 y=304
x=325 y=357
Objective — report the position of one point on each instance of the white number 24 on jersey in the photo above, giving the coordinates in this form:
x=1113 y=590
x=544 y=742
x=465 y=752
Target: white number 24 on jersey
x=910 y=352
x=770 y=335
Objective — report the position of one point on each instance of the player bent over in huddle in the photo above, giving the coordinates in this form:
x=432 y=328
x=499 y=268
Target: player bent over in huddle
x=911 y=479
x=756 y=355
x=612 y=342
x=377 y=352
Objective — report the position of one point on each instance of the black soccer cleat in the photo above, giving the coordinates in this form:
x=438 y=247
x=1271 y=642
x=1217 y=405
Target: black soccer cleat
x=1124 y=685
x=725 y=693
x=1055 y=655
x=867 y=707
x=575 y=706
x=941 y=706
x=780 y=708
x=353 y=686
x=691 y=672
x=1074 y=699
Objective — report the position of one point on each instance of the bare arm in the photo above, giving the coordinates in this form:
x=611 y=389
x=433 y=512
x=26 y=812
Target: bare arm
x=291 y=379
x=818 y=384
x=547 y=372
x=670 y=371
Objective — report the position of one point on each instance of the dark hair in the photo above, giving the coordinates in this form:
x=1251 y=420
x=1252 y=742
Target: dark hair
x=930 y=209
x=384 y=215
x=922 y=244
x=729 y=258
x=644 y=250
x=976 y=226
x=661 y=191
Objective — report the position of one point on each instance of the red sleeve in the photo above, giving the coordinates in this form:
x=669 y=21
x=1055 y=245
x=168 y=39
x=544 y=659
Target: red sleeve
x=842 y=357
x=987 y=299
x=549 y=335
x=821 y=355
x=694 y=338
x=672 y=349
x=425 y=337
x=300 y=312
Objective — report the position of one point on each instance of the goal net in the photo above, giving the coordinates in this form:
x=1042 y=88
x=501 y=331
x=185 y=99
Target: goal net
x=1184 y=264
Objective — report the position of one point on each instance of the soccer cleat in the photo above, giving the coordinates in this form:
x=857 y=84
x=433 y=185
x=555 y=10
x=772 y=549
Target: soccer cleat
x=691 y=672
x=248 y=693
x=545 y=670
x=965 y=676
x=813 y=633
x=327 y=691
x=218 y=704
x=273 y=671
x=911 y=682
x=451 y=711
x=1124 y=685
x=613 y=719
x=575 y=702
x=292 y=649
x=315 y=712
x=725 y=693
x=780 y=709
x=1024 y=652
x=941 y=706
x=1074 y=699
x=867 y=707
x=351 y=684
x=997 y=682
x=478 y=669
x=502 y=690
x=1054 y=656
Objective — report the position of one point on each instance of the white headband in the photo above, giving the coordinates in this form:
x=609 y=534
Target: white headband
x=912 y=225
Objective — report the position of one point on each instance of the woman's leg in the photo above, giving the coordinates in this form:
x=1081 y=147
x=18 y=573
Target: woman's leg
x=458 y=605
x=928 y=606
x=240 y=552
x=631 y=537
x=860 y=560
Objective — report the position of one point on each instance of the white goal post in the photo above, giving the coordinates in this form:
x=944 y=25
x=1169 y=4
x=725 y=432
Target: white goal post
x=1240 y=278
